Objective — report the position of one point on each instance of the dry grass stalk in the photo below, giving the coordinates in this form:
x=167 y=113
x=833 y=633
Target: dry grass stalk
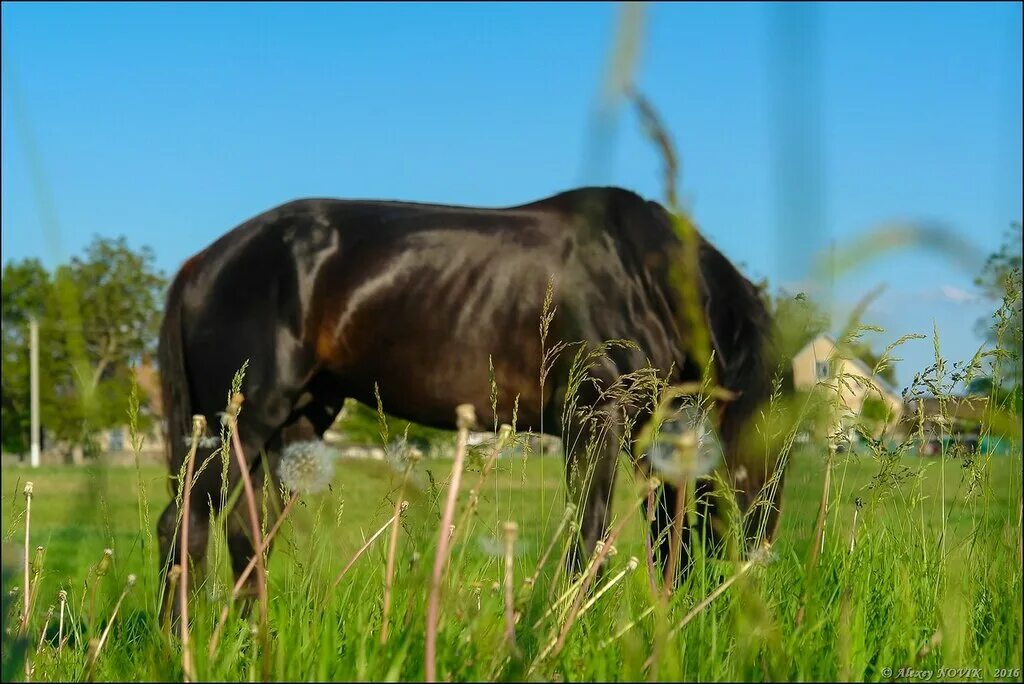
x=389 y=567
x=244 y=575
x=652 y=570
x=46 y=625
x=672 y=567
x=601 y=551
x=573 y=586
x=173 y=577
x=63 y=596
x=198 y=427
x=853 y=529
x=383 y=528
x=563 y=561
x=26 y=599
x=631 y=565
x=254 y=524
x=511 y=533
x=464 y=418
x=110 y=623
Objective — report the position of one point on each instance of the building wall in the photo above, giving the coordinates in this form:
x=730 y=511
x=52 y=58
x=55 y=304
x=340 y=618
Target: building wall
x=817 y=364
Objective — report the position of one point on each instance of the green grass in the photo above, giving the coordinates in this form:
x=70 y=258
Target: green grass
x=906 y=584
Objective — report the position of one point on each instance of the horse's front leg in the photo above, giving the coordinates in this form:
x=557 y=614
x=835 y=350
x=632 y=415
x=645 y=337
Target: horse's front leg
x=171 y=553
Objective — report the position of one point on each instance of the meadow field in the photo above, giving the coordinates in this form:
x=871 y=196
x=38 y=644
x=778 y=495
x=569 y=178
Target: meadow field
x=923 y=573
x=886 y=565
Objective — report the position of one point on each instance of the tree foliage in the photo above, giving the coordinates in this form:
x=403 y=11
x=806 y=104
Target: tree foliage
x=98 y=315
x=799 y=319
x=1000 y=281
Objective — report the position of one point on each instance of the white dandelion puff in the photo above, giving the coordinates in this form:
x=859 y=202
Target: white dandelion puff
x=307 y=467
x=685 y=447
x=204 y=442
x=496 y=547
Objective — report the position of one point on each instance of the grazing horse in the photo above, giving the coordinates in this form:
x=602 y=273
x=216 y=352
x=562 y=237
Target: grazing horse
x=328 y=299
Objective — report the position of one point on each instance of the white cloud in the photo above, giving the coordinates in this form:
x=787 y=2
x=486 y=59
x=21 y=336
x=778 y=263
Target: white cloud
x=957 y=295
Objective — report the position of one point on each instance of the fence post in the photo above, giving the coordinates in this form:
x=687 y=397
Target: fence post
x=34 y=382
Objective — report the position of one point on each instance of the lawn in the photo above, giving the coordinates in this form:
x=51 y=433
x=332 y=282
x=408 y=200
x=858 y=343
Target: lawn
x=933 y=580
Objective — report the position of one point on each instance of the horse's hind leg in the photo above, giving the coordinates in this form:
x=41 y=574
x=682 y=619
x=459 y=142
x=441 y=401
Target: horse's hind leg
x=265 y=484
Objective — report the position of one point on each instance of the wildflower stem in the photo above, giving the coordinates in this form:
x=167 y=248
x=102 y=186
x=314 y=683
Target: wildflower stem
x=389 y=568
x=198 y=426
x=632 y=565
x=464 y=419
x=46 y=624
x=63 y=595
x=244 y=575
x=26 y=599
x=110 y=623
x=511 y=532
x=254 y=522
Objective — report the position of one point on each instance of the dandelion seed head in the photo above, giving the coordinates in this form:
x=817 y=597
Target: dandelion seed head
x=131 y=580
x=491 y=546
x=28 y=489
x=307 y=467
x=763 y=555
x=465 y=416
x=104 y=564
x=633 y=563
x=685 y=447
x=204 y=442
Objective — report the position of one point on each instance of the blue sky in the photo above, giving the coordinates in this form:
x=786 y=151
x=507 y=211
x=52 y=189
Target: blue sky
x=171 y=124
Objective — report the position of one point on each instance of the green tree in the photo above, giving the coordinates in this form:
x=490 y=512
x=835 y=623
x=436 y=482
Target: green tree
x=799 y=319
x=1000 y=281
x=26 y=292
x=98 y=315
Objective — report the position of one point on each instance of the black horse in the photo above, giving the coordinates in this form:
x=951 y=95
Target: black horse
x=329 y=298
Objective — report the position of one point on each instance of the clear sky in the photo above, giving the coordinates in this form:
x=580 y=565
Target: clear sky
x=170 y=124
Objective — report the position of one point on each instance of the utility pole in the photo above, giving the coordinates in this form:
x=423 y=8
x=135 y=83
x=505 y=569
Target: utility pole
x=34 y=381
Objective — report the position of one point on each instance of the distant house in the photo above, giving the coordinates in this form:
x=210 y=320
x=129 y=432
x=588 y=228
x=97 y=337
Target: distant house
x=822 y=365
x=947 y=416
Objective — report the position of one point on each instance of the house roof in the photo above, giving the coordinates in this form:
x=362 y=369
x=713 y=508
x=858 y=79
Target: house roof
x=859 y=364
x=965 y=408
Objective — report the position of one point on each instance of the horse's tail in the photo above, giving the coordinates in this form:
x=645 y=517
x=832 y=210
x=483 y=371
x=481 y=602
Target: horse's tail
x=177 y=405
